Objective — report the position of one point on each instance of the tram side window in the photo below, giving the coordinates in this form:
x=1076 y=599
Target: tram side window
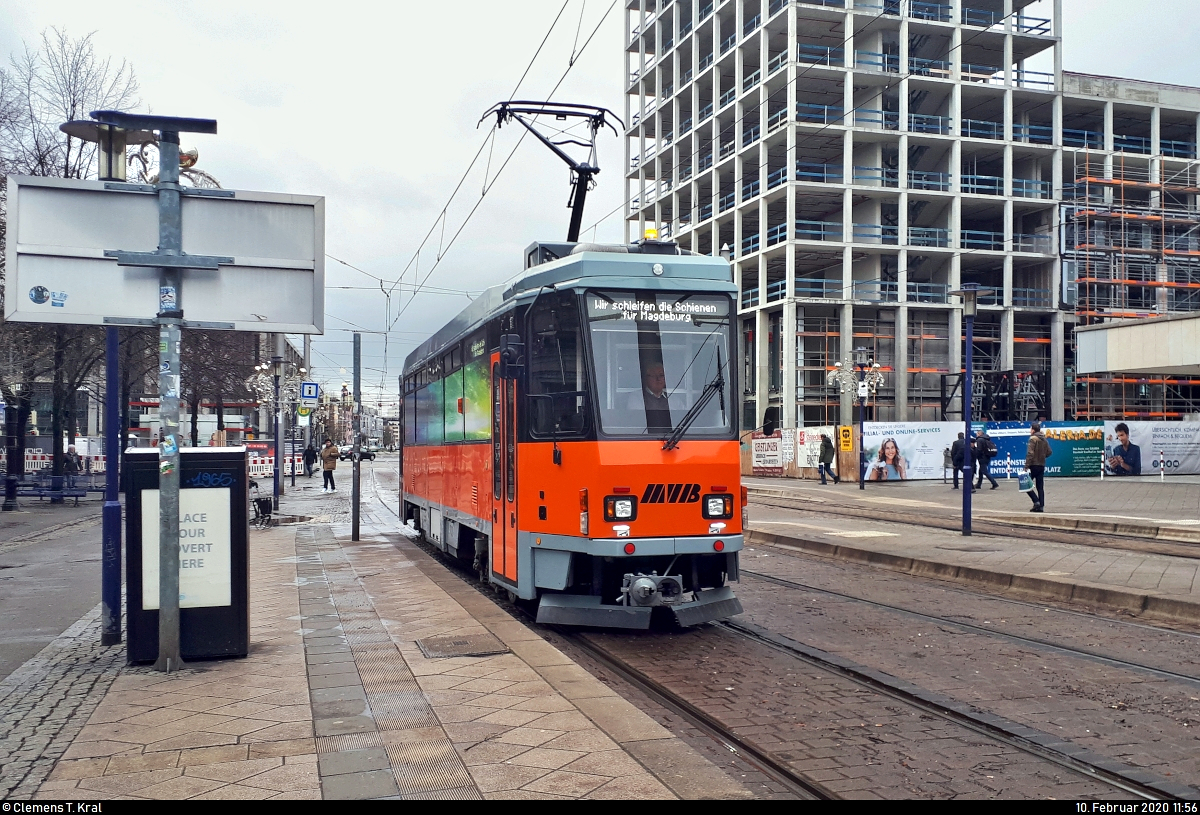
x=410 y=420
x=452 y=397
x=556 y=374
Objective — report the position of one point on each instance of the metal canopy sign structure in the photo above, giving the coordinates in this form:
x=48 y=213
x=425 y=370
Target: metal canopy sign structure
x=62 y=267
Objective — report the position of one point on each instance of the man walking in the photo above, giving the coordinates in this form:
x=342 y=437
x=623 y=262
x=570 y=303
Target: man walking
x=958 y=452
x=985 y=451
x=329 y=460
x=310 y=459
x=1035 y=461
x=825 y=460
x=72 y=466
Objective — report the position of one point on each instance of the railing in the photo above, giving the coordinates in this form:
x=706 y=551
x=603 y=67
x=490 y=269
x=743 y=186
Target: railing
x=776 y=290
x=880 y=291
x=983 y=73
x=1032 y=25
x=929 y=11
x=750 y=135
x=1038 y=244
x=818 y=231
x=978 y=239
x=1028 y=188
x=885 y=6
x=876 y=61
x=937 y=68
x=982 y=129
x=685 y=174
x=752 y=80
x=685 y=126
x=750 y=244
x=983 y=184
x=685 y=29
x=667 y=46
x=1034 y=79
x=1087 y=139
x=876 y=176
x=929 y=236
x=778 y=61
x=776 y=119
x=1032 y=298
x=726 y=201
x=704 y=213
x=887 y=119
x=750 y=297
x=1033 y=134
x=668 y=137
x=824 y=288
x=727 y=97
x=666 y=92
x=705 y=61
x=1131 y=144
x=706 y=112
x=751 y=25
x=876 y=233
x=704 y=12
x=813 y=54
x=776 y=6
x=704 y=162
x=686 y=77
x=728 y=43
x=819 y=173
x=981 y=17
x=820 y=114
x=776 y=234
x=750 y=189
x=774 y=179
x=996 y=298
x=927 y=180
x=1177 y=149
x=927 y=292
x=925 y=123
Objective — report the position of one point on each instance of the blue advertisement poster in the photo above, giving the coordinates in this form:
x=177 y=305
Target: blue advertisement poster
x=1077 y=447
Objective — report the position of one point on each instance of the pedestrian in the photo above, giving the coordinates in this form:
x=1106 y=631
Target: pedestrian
x=310 y=459
x=1035 y=461
x=958 y=453
x=985 y=451
x=825 y=460
x=329 y=460
x=72 y=465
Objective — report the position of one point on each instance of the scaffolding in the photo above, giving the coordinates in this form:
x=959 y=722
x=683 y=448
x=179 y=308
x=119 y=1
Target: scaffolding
x=1132 y=248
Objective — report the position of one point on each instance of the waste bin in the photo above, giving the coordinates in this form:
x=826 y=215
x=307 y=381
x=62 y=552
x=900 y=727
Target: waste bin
x=214 y=577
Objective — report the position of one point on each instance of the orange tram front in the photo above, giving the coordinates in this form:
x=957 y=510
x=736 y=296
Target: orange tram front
x=573 y=437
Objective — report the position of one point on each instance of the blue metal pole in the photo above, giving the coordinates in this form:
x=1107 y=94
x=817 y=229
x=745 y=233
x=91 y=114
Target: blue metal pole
x=862 y=450
x=110 y=558
x=969 y=485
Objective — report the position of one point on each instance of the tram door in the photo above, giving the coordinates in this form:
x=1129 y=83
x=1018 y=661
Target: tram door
x=504 y=475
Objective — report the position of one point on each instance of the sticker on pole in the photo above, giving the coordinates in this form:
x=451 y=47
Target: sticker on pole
x=846 y=439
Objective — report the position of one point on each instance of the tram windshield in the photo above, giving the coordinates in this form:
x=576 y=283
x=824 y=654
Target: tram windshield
x=656 y=354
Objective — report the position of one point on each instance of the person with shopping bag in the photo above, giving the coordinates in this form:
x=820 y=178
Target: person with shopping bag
x=1035 y=462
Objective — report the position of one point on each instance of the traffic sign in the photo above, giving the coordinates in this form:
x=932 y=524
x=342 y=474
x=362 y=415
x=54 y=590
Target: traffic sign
x=310 y=391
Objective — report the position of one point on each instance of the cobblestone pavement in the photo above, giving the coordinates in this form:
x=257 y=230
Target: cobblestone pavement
x=45 y=703
x=1144 y=720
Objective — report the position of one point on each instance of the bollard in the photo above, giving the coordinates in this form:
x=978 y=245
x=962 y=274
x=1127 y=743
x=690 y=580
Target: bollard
x=1102 y=463
x=1008 y=467
x=1162 y=465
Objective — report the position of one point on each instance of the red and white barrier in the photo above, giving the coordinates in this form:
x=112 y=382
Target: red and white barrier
x=37 y=460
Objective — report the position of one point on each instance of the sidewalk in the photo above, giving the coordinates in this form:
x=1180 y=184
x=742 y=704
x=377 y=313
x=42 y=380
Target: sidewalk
x=337 y=699
x=876 y=526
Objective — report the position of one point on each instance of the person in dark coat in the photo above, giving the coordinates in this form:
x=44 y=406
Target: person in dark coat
x=1035 y=461
x=985 y=451
x=825 y=460
x=958 y=452
x=310 y=459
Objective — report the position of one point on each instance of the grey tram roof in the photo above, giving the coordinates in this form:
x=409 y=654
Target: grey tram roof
x=589 y=265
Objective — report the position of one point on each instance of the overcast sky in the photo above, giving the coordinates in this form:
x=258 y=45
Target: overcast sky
x=375 y=106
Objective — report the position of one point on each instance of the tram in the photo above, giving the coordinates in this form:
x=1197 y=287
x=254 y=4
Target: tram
x=573 y=436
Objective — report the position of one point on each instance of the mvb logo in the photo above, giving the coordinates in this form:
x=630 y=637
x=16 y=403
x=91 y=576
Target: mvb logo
x=671 y=494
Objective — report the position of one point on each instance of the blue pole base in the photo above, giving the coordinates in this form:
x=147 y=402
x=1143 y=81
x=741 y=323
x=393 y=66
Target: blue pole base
x=110 y=575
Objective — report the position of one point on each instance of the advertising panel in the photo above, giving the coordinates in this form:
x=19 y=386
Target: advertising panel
x=767 y=453
x=204 y=548
x=907 y=451
x=808 y=445
x=1075 y=447
x=1177 y=442
x=477 y=398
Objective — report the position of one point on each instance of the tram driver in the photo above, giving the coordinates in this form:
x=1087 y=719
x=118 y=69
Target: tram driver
x=653 y=398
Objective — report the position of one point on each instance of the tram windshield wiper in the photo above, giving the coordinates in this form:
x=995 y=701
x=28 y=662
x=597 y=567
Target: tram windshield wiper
x=714 y=388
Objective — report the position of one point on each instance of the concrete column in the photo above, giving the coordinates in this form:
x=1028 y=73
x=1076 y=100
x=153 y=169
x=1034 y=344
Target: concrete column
x=1007 y=332
x=900 y=375
x=762 y=387
x=846 y=343
x=1058 y=370
x=788 y=327
x=1108 y=126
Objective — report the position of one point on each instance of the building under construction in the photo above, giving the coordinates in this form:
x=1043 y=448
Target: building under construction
x=863 y=158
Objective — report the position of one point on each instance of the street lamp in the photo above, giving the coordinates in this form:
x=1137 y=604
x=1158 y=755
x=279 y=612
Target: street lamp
x=970 y=294
x=866 y=378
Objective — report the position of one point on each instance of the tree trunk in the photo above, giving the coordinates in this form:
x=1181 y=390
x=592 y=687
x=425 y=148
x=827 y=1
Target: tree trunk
x=72 y=425
x=57 y=402
x=194 y=406
x=125 y=387
x=220 y=412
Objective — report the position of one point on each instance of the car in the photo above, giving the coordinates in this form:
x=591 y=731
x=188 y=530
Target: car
x=346 y=453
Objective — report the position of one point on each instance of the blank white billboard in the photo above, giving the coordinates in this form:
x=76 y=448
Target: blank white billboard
x=57 y=271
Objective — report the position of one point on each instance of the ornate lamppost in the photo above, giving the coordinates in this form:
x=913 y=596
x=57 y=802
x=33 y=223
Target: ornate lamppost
x=865 y=376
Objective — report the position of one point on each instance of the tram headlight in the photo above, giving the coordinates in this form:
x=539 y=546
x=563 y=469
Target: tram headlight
x=620 y=508
x=718 y=506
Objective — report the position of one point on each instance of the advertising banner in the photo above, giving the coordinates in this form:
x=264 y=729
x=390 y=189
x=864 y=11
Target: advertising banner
x=907 y=451
x=767 y=453
x=1177 y=442
x=808 y=445
x=1075 y=447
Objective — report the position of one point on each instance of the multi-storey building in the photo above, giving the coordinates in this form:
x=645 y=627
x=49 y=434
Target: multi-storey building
x=860 y=159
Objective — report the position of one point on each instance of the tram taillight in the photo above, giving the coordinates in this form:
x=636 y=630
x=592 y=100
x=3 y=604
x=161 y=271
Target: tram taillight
x=583 y=512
